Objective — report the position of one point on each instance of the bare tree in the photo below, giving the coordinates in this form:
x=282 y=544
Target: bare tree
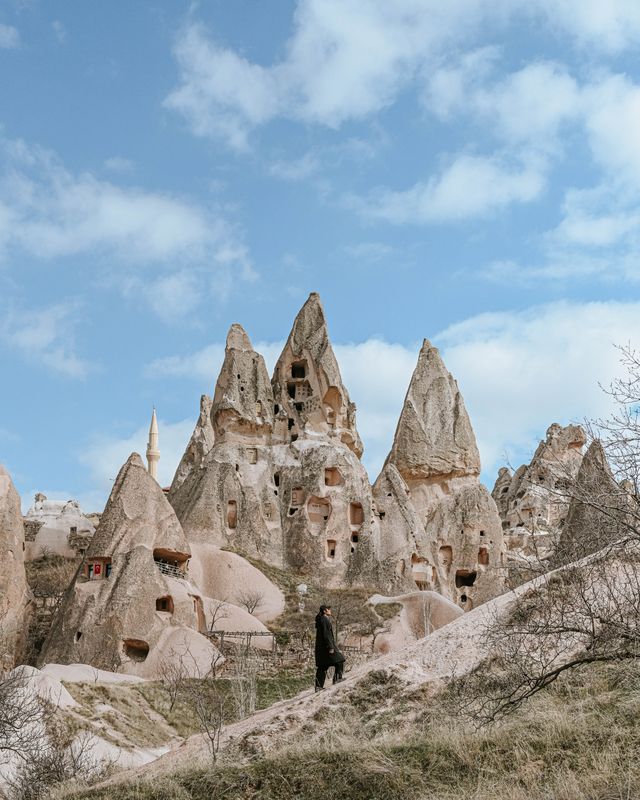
x=588 y=609
x=209 y=698
x=583 y=613
x=219 y=610
x=250 y=599
x=22 y=715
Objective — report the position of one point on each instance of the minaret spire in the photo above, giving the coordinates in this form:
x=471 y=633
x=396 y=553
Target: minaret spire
x=153 y=453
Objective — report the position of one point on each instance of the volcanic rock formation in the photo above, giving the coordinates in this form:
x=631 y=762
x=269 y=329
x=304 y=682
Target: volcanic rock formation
x=533 y=502
x=439 y=527
x=56 y=527
x=283 y=482
x=131 y=605
x=199 y=445
x=14 y=593
x=597 y=511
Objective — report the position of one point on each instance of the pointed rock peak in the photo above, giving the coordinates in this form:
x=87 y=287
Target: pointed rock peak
x=307 y=383
x=238 y=339
x=198 y=447
x=137 y=514
x=434 y=437
x=242 y=408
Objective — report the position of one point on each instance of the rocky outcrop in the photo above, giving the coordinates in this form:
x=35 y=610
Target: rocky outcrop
x=434 y=437
x=56 y=527
x=283 y=482
x=598 y=513
x=534 y=501
x=199 y=445
x=439 y=527
x=307 y=385
x=418 y=615
x=131 y=604
x=15 y=598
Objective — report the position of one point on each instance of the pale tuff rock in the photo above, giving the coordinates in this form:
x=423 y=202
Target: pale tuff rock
x=15 y=596
x=533 y=502
x=287 y=490
x=57 y=527
x=434 y=437
x=199 y=445
x=420 y=614
x=439 y=527
x=596 y=515
x=242 y=409
x=307 y=385
x=131 y=604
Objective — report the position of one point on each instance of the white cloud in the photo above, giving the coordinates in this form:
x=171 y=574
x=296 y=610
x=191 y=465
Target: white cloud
x=349 y=59
x=471 y=186
x=610 y=25
x=521 y=371
x=106 y=454
x=345 y=59
x=46 y=337
x=48 y=212
x=9 y=37
x=518 y=372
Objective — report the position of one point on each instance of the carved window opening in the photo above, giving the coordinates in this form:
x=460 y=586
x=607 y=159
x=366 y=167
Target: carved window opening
x=291 y=390
x=165 y=604
x=232 y=514
x=276 y=408
x=446 y=556
x=331 y=549
x=419 y=567
x=483 y=557
x=318 y=510
x=332 y=477
x=356 y=514
x=170 y=562
x=354 y=538
x=290 y=423
x=276 y=478
x=299 y=369
x=297 y=496
x=78 y=636
x=135 y=649
x=198 y=608
x=465 y=577
x=252 y=455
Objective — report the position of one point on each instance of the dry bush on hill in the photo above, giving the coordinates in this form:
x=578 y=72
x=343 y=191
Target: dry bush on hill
x=589 y=610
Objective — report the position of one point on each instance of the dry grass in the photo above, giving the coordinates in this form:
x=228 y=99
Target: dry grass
x=578 y=741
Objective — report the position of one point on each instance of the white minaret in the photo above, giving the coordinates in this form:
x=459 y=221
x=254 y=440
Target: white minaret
x=153 y=454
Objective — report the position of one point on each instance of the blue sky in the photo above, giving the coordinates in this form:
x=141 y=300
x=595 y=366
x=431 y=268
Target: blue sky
x=467 y=172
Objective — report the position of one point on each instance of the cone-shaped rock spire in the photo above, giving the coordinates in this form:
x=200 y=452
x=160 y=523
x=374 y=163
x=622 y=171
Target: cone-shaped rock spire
x=14 y=592
x=307 y=384
x=597 y=510
x=135 y=567
x=434 y=436
x=242 y=406
x=200 y=444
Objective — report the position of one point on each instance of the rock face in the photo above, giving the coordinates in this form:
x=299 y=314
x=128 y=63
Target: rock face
x=307 y=385
x=131 y=604
x=439 y=527
x=14 y=593
x=534 y=501
x=199 y=445
x=283 y=482
x=57 y=527
x=597 y=511
x=420 y=614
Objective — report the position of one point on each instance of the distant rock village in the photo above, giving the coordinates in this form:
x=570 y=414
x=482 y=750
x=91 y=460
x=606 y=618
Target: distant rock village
x=272 y=476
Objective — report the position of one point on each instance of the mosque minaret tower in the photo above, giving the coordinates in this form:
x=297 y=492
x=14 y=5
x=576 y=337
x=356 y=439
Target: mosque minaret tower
x=153 y=453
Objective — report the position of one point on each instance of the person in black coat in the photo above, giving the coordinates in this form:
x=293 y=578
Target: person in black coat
x=327 y=654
